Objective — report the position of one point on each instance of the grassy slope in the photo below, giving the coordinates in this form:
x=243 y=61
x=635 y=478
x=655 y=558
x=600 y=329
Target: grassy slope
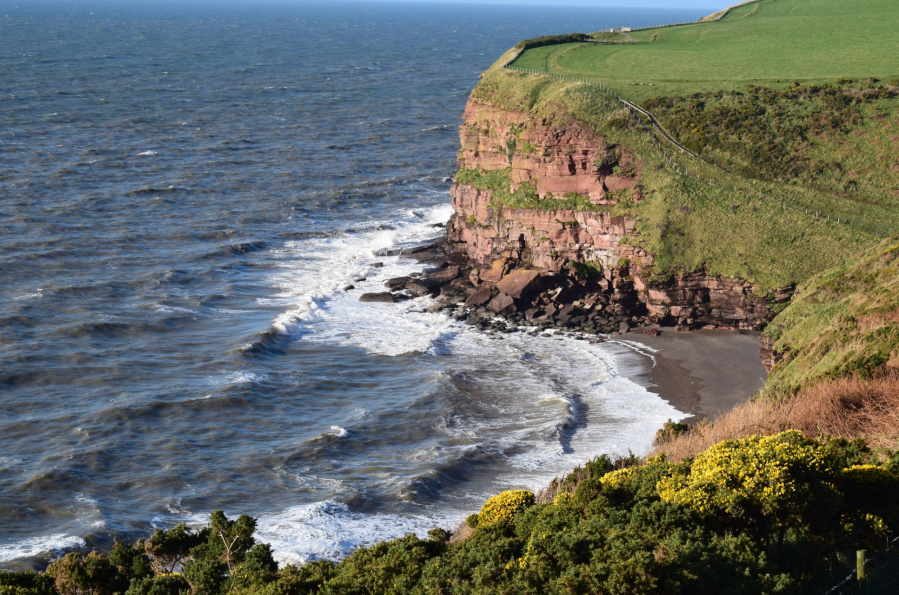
x=842 y=138
x=843 y=322
x=772 y=42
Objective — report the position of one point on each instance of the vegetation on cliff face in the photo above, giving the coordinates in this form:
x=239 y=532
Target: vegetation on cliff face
x=499 y=182
x=778 y=514
x=844 y=322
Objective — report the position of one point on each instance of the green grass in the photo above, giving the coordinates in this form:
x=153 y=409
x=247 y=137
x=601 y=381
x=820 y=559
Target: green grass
x=499 y=182
x=771 y=43
x=843 y=322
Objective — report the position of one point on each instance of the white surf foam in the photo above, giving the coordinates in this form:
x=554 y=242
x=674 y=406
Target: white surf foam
x=315 y=271
x=331 y=530
x=32 y=547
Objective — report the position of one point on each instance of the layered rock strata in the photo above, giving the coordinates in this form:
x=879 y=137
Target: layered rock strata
x=592 y=246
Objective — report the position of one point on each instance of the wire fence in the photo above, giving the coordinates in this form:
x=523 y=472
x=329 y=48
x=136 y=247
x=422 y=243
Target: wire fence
x=878 y=575
x=718 y=16
x=628 y=39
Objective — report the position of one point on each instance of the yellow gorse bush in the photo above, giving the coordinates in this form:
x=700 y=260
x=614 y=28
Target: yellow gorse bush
x=870 y=476
x=766 y=473
x=618 y=478
x=504 y=506
x=562 y=498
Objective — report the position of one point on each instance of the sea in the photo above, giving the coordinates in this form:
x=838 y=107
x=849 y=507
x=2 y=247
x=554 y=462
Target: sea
x=185 y=190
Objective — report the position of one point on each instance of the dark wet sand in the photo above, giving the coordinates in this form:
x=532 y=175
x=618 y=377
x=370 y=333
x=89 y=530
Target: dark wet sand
x=704 y=373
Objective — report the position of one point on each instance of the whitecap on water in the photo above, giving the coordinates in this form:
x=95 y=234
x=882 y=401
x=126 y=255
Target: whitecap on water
x=36 y=546
x=315 y=271
x=331 y=530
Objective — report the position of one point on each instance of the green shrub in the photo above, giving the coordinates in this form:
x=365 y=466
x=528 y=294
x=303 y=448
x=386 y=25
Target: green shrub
x=26 y=583
x=504 y=506
x=762 y=515
x=669 y=431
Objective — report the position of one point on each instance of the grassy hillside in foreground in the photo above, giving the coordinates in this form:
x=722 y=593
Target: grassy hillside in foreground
x=769 y=43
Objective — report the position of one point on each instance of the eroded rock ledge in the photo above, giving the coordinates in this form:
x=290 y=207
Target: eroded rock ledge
x=590 y=253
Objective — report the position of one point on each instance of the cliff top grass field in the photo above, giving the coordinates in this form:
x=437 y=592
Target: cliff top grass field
x=770 y=42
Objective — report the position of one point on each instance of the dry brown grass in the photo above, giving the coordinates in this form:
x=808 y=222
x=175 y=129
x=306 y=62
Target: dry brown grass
x=874 y=321
x=845 y=408
x=548 y=494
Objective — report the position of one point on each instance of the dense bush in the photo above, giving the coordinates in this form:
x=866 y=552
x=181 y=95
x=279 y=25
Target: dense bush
x=761 y=132
x=772 y=514
x=504 y=506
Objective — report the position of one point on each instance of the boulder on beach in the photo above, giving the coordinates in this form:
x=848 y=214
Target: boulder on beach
x=501 y=304
x=396 y=283
x=480 y=297
x=423 y=286
x=381 y=296
x=520 y=282
x=444 y=275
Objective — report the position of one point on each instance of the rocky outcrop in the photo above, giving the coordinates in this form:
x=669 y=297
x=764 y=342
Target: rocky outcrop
x=770 y=357
x=496 y=240
x=558 y=160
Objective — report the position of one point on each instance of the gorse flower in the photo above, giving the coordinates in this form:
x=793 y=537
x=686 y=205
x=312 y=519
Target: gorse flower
x=619 y=477
x=767 y=474
x=504 y=506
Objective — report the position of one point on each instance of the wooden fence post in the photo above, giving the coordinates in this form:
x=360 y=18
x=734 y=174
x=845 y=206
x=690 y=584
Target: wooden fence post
x=860 y=573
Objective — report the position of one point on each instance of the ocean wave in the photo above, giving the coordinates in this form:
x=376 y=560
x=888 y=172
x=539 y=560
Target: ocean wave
x=35 y=547
x=246 y=247
x=315 y=271
x=154 y=190
x=330 y=530
x=99 y=329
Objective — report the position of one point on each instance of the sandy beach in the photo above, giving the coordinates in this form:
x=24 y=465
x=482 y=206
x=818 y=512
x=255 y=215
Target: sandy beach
x=704 y=373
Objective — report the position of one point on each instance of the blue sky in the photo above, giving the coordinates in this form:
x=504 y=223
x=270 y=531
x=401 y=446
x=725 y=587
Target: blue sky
x=711 y=4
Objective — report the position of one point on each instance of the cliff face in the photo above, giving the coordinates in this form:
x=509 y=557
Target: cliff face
x=559 y=160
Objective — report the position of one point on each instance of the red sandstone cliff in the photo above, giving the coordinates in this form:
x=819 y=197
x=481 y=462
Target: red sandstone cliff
x=565 y=159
